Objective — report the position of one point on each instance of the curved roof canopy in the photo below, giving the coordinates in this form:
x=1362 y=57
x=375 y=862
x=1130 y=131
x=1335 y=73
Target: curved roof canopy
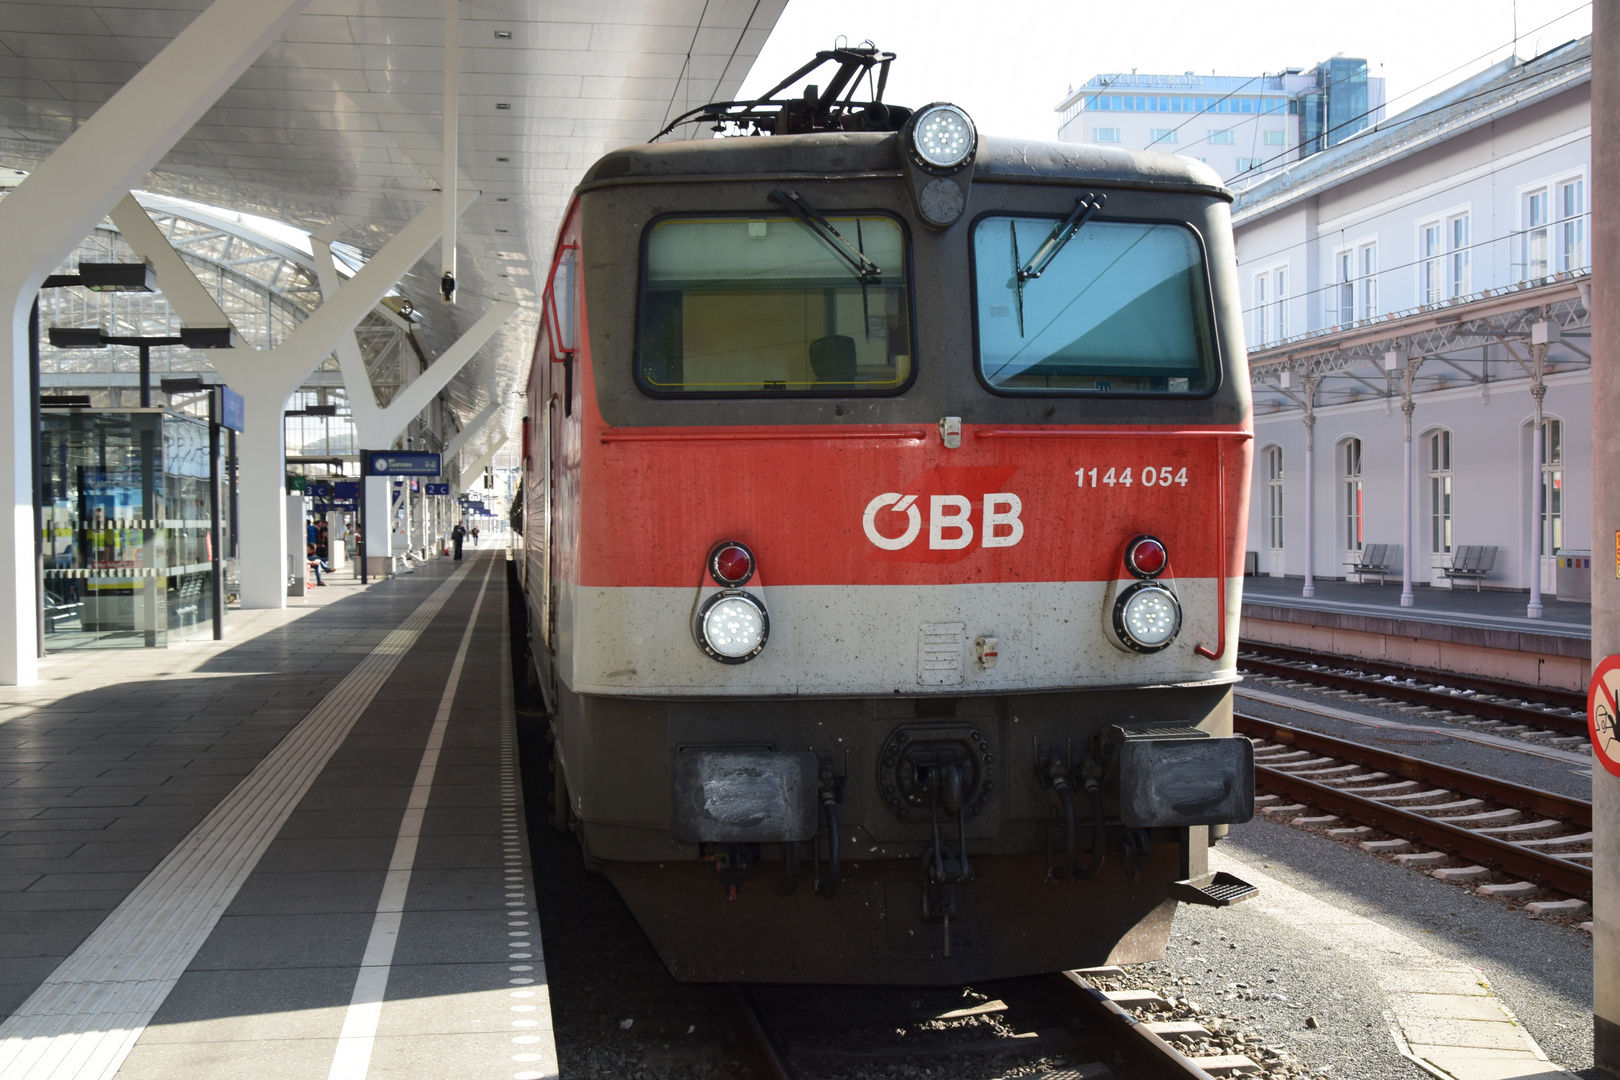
x=337 y=128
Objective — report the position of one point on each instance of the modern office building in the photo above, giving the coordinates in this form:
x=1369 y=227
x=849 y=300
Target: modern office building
x=1241 y=126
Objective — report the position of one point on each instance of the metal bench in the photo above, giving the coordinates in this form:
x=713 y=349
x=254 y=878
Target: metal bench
x=1377 y=560
x=1471 y=563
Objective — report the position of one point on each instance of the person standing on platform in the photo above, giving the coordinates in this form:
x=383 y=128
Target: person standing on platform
x=457 y=535
x=475 y=535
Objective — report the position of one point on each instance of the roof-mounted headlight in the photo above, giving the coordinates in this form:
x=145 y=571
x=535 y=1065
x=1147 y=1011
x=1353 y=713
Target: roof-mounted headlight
x=943 y=138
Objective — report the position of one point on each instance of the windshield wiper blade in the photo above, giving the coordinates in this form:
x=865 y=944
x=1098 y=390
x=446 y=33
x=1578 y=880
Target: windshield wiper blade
x=811 y=219
x=1059 y=237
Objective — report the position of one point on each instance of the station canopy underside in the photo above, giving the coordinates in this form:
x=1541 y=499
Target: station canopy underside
x=1481 y=341
x=337 y=129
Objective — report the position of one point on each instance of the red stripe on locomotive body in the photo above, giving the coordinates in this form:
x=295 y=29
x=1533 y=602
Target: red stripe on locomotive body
x=813 y=502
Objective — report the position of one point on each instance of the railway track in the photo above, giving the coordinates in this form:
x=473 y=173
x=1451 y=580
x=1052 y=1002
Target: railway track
x=1471 y=825
x=1064 y=1021
x=1505 y=703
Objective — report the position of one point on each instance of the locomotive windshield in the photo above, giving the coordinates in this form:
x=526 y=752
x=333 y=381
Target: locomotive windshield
x=763 y=305
x=1123 y=307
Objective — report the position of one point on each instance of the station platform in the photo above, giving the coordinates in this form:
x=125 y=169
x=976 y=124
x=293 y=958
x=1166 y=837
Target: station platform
x=1477 y=633
x=299 y=852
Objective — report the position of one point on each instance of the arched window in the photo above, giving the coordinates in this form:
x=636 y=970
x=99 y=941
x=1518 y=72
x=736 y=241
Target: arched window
x=1274 y=495
x=1352 y=494
x=1440 y=492
x=1552 y=487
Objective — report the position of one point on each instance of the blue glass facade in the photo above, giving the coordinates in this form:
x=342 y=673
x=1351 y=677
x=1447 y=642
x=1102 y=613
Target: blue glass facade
x=1168 y=104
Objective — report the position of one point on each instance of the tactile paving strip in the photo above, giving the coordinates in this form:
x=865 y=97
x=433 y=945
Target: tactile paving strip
x=83 y=1020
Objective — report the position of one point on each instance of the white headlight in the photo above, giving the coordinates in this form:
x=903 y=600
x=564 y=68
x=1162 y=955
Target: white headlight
x=732 y=627
x=943 y=136
x=1147 y=617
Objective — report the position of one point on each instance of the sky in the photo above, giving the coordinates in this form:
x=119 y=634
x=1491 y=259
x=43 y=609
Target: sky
x=1009 y=62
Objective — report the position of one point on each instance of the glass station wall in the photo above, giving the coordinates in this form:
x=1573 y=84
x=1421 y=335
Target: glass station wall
x=128 y=554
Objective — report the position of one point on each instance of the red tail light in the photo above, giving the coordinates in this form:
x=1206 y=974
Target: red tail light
x=1146 y=557
x=731 y=564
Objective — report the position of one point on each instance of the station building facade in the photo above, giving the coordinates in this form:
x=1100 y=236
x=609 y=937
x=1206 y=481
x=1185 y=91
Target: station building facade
x=1410 y=296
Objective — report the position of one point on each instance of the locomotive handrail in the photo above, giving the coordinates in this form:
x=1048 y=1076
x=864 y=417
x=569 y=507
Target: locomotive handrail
x=1104 y=433
x=1220 y=559
x=743 y=436
x=1220 y=498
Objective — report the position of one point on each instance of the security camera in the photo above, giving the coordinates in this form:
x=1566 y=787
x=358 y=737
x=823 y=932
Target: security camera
x=447 y=287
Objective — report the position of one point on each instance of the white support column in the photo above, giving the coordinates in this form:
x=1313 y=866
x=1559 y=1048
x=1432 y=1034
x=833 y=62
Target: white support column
x=379 y=521
x=477 y=467
x=266 y=379
x=422 y=509
x=474 y=426
x=1311 y=382
x=187 y=296
x=1542 y=334
x=452 y=126
x=261 y=480
x=60 y=203
x=376 y=427
x=1397 y=362
x=1538 y=391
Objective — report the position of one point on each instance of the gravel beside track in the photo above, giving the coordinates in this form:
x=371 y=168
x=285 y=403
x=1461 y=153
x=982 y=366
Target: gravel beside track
x=1541 y=970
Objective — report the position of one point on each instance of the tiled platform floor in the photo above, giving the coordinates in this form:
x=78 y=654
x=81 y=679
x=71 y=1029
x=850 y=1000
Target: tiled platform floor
x=113 y=759
x=1455 y=607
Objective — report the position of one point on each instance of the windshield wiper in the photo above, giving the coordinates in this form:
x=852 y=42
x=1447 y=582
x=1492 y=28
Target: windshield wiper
x=1055 y=241
x=811 y=219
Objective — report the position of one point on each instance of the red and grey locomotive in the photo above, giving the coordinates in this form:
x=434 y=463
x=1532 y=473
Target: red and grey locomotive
x=883 y=541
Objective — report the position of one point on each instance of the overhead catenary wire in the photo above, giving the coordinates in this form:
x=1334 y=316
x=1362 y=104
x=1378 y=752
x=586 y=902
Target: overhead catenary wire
x=747 y=24
x=1286 y=249
x=686 y=65
x=1408 y=119
x=1468 y=249
x=1404 y=120
x=1210 y=111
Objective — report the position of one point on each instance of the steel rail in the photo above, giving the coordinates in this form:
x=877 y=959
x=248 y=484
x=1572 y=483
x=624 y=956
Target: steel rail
x=765 y=1053
x=1513 y=714
x=1546 y=695
x=1561 y=874
x=1151 y=1056
x=1518 y=796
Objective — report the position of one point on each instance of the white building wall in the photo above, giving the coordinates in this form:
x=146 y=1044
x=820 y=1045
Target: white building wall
x=1484 y=174
x=1491 y=477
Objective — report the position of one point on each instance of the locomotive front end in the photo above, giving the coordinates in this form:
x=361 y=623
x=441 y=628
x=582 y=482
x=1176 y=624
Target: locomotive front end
x=885 y=583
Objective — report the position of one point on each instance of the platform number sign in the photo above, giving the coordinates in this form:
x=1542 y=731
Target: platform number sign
x=1603 y=713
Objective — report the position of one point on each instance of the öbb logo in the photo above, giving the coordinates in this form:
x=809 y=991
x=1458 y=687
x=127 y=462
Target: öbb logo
x=950 y=521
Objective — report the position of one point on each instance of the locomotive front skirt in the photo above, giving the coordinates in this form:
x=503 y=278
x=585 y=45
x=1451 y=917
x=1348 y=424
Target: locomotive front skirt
x=883 y=548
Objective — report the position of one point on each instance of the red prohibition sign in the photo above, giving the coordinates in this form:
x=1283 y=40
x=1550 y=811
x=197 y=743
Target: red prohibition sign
x=1603 y=713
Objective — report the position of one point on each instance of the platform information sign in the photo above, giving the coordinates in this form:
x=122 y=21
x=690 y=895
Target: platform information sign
x=1603 y=713
x=437 y=489
x=232 y=413
x=403 y=463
